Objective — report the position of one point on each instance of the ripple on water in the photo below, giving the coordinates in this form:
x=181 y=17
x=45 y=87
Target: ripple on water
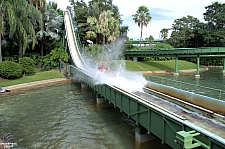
x=63 y=116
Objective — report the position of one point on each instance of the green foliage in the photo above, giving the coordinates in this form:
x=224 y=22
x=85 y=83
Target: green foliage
x=51 y=61
x=161 y=46
x=21 y=13
x=130 y=46
x=183 y=31
x=205 y=61
x=27 y=64
x=164 y=33
x=214 y=33
x=59 y=54
x=10 y=70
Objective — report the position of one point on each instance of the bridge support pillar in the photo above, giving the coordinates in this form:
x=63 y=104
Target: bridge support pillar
x=100 y=99
x=141 y=136
x=224 y=66
x=84 y=86
x=135 y=59
x=176 y=66
x=197 y=75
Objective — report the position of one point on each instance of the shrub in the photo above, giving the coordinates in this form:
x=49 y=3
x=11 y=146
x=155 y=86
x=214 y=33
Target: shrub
x=51 y=61
x=27 y=64
x=10 y=70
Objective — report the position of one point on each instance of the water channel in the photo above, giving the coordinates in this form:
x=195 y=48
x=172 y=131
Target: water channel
x=64 y=116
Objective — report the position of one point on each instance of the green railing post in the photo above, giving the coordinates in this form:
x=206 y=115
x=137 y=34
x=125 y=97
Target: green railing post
x=189 y=87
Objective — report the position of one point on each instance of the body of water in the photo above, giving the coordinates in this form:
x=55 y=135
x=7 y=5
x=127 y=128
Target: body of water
x=62 y=116
x=212 y=78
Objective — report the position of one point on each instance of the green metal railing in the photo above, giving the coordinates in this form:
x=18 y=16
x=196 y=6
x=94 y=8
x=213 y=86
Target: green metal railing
x=198 y=89
x=76 y=34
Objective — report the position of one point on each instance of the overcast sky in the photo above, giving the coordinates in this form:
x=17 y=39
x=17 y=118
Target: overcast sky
x=163 y=13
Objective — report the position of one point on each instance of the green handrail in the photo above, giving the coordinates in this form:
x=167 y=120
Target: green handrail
x=203 y=90
x=75 y=30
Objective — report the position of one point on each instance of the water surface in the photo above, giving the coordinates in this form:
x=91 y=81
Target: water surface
x=64 y=116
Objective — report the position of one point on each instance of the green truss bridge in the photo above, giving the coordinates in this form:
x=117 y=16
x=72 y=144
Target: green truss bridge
x=179 y=52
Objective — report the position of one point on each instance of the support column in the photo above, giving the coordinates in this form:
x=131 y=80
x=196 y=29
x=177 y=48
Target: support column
x=135 y=59
x=224 y=66
x=100 y=99
x=197 y=75
x=84 y=86
x=176 y=66
x=141 y=136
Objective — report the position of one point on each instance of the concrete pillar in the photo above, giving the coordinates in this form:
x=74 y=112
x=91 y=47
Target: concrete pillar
x=176 y=66
x=198 y=64
x=84 y=86
x=141 y=136
x=100 y=99
x=224 y=66
x=135 y=59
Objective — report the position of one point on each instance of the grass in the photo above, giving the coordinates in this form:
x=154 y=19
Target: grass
x=158 y=65
x=130 y=65
x=45 y=75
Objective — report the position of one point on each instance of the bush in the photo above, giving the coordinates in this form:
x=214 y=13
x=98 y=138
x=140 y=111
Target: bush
x=27 y=64
x=10 y=70
x=51 y=61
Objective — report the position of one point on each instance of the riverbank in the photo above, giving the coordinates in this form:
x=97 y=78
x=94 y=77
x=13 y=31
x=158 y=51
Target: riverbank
x=30 y=85
x=172 y=71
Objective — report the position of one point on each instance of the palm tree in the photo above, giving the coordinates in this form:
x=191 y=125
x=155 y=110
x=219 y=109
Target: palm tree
x=114 y=26
x=142 y=18
x=164 y=33
x=52 y=23
x=150 y=39
x=106 y=26
x=104 y=19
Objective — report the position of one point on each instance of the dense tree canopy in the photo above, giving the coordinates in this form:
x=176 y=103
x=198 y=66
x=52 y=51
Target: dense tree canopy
x=214 y=15
x=35 y=24
x=190 y=32
x=183 y=31
x=90 y=22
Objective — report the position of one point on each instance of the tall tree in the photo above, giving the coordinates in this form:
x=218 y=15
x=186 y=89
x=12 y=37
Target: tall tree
x=105 y=25
x=150 y=39
x=20 y=15
x=164 y=33
x=142 y=18
x=214 y=15
x=39 y=4
x=52 y=25
x=114 y=28
x=81 y=14
x=183 y=31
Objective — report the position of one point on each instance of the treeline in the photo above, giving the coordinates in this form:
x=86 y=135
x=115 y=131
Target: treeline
x=189 y=32
x=34 y=26
x=30 y=26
